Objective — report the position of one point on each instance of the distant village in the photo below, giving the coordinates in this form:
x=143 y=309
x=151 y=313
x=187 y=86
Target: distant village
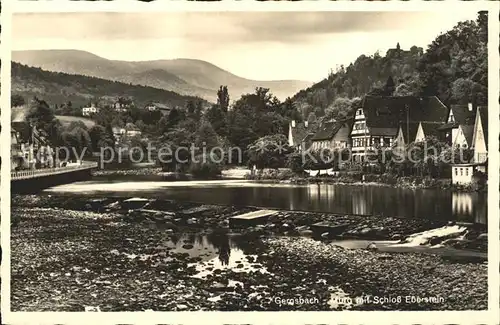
x=31 y=150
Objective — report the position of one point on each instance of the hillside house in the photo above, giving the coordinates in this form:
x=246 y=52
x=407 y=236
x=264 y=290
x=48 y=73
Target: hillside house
x=164 y=109
x=300 y=134
x=332 y=135
x=118 y=133
x=90 y=110
x=379 y=119
x=131 y=130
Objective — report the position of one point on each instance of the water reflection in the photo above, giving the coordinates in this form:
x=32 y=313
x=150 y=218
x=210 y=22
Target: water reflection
x=333 y=198
x=217 y=251
x=208 y=246
x=221 y=242
x=467 y=204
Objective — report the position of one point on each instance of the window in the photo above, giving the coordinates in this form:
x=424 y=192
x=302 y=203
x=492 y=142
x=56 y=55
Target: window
x=461 y=172
x=387 y=142
x=466 y=171
x=456 y=171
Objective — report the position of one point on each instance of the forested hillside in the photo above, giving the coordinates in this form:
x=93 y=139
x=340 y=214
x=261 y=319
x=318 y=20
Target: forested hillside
x=60 y=88
x=453 y=67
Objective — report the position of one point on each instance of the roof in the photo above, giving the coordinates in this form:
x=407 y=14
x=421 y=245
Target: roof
x=18 y=114
x=384 y=113
x=468 y=131
x=431 y=128
x=159 y=106
x=471 y=164
x=308 y=138
x=300 y=131
x=462 y=116
x=483 y=112
x=412 y=127
x=328 y=130
x=131 y=127
x=23 y=129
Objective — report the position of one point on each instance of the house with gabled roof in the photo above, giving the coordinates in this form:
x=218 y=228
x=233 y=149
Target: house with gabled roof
x=332 y=135
x=480 y=135
x=29 y=146
x=300 y=134
x=131 y=130
x=164 y=109
x=457 y=115
x=378 y=120
x=476 y=136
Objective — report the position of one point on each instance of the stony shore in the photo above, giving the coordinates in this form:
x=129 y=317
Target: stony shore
x=115 y=255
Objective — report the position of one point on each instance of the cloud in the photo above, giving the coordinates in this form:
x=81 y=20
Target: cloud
x=252 y=27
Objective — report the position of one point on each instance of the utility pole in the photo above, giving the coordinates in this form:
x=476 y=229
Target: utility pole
x=407 y=123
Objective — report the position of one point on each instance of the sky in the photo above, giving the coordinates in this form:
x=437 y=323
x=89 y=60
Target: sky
x=254 y=45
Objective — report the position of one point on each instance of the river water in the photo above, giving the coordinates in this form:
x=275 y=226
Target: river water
x=332 y=198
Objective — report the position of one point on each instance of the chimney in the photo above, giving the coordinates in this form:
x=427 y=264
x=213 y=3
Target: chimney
x=306 y=123
x=470 y=107
x=293 y=123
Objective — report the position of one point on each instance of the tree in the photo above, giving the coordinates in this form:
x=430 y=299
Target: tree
x=190 y=106
x=460 y=53
x=389 y=87
x=100 y=137
x=311 y=118
x=217 y=119
x=289 y=110
x=339 y=109
x=223 y=98
x=253 y=116
x=206 y=136
x=16 y=100
x=269 y=152
x=403 y=90
x=42 y=116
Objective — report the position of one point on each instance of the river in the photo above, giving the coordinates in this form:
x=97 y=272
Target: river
x=332 y=198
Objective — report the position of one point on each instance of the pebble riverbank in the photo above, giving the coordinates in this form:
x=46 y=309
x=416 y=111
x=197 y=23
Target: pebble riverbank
x=109 y=254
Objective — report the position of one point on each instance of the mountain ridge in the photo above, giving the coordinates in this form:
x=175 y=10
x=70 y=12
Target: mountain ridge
x=201 y=78
x=58 y=88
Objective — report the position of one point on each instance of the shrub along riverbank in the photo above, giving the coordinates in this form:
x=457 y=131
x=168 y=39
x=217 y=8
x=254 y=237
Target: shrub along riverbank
x=360 y=178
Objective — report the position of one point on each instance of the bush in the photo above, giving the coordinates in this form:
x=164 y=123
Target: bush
x=294 y=162
x=372 y=178
x=272 y=174
x=388 y=178
x=204 y=166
